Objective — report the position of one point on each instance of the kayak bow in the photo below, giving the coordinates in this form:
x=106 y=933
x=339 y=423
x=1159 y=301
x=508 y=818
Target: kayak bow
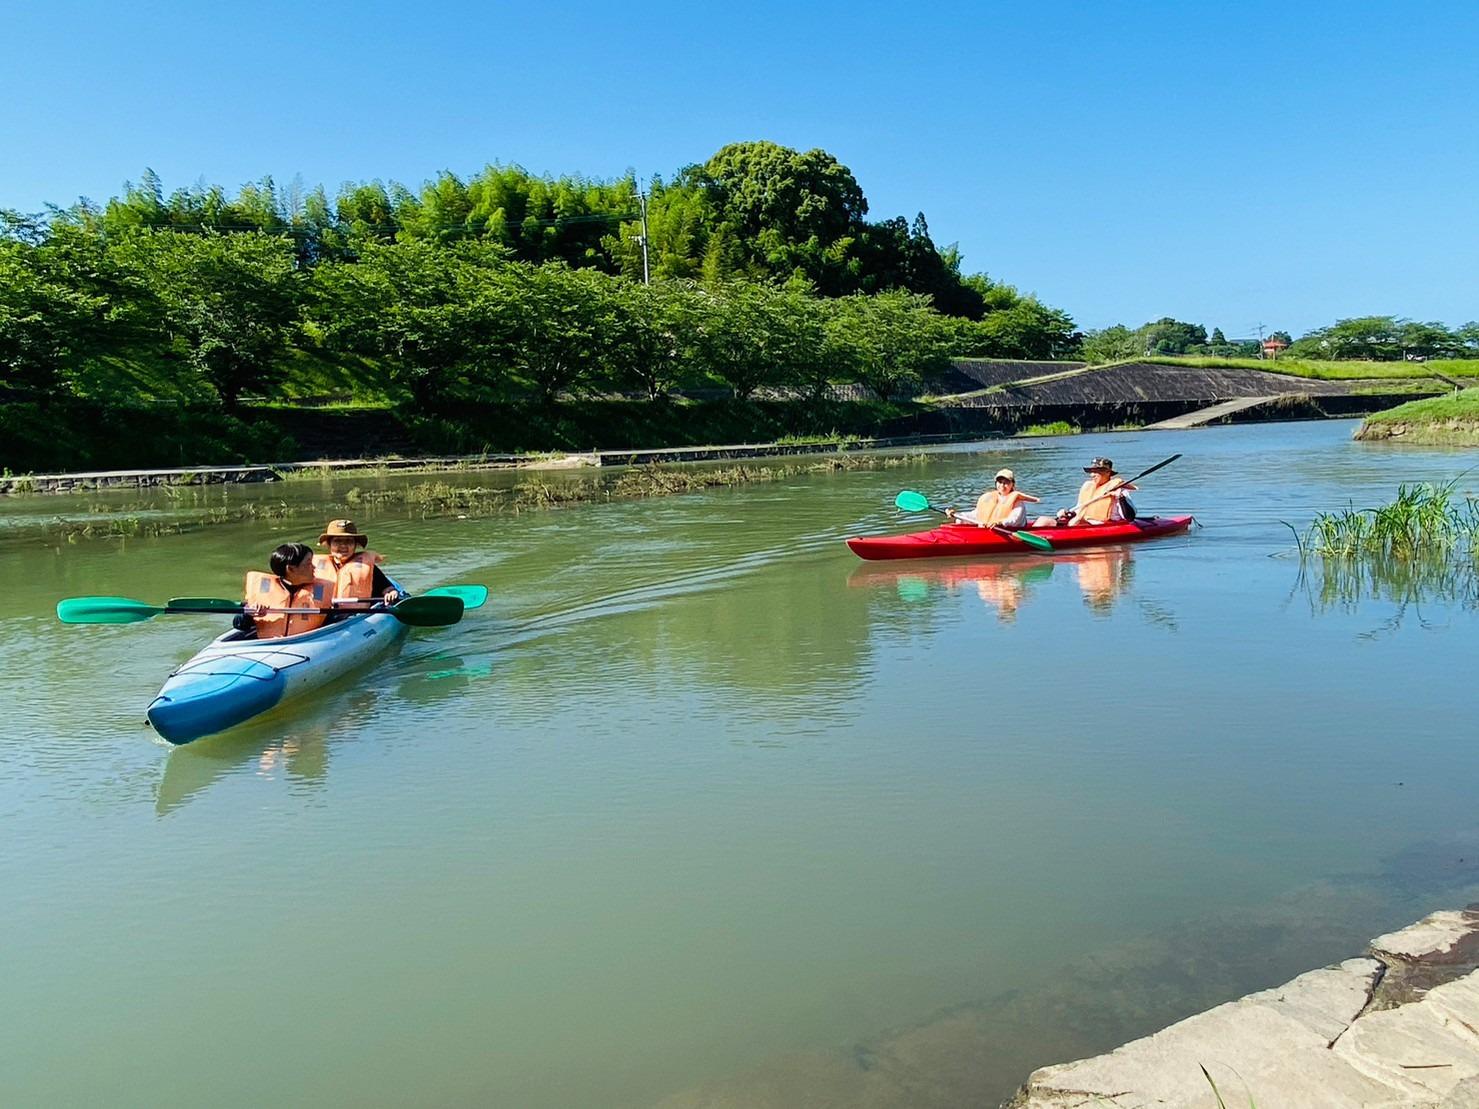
x=236 y=677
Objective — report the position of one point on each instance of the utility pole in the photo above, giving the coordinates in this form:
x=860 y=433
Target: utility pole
x=642 y=238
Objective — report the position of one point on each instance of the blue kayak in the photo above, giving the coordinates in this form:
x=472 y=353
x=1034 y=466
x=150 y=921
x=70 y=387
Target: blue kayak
x=237 y=677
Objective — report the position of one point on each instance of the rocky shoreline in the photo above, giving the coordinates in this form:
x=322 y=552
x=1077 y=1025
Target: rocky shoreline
x=1396 y=1027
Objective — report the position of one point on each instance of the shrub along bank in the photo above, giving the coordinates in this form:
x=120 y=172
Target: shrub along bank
x=79 y=435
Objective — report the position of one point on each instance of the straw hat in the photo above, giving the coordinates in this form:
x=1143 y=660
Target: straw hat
x=343 y=529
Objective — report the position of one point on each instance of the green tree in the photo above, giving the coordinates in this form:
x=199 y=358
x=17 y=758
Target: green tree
x=48 y=318
x=654 y=351
x=896 y=338
x=1026 y=328
x=1170 y=336
x=228 y=301
x=791 y=212
x=1428 y=340
x=744 y=336
x=441 y=321
x=568 y=330
x=1111 y=344
x=1365 y=338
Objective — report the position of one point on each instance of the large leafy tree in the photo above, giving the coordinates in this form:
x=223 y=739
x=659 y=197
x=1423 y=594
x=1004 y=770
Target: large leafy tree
x=50 y=316
x=895 y=338
x=1171 y=336
x=1373 y=338
x=790 y=211
x=440 y=320
x=654 y=350
x=744 y=336
x=1024 y=329
x=568 y=330
x=228 y=302
x=1111 y=344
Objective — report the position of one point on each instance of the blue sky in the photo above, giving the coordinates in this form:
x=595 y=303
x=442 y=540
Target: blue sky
x=1274 y=163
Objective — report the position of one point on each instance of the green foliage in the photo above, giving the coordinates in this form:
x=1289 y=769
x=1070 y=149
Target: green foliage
x=1333 y=371
x=1014 y=326
x=1057 y=427
x=1170 y=336
x=1424 y=521
x=226 y=302
x=440 y=320
x=568 y=331
x=894 y=338
x=505 y=288
x=1461 y=408
x=1387 y=339
x=1111 y=344
x=786 y=212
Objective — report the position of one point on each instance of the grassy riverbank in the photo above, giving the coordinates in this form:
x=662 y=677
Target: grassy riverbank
x=1446 y=421
x=1332 y=371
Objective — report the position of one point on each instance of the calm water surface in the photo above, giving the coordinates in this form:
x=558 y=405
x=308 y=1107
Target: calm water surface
x=701 y=809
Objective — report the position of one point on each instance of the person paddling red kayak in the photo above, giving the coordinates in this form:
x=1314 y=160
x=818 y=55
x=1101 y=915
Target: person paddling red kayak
x=1047 y=534
x=1004 y=506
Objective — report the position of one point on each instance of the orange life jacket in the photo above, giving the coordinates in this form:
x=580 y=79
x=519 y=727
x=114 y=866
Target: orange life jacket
x=354 y=581
x=993 y=508
x=269 y=590
x=1105 y=509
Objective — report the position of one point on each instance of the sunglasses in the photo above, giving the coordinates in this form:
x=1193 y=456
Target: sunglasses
x=1006 y=480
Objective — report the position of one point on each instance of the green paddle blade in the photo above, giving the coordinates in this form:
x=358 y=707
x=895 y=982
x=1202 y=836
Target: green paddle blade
x=203 y=604
x=472 y=596
x=1031 y=540
x=910 y=501
x=104 y=610
x=428 y=611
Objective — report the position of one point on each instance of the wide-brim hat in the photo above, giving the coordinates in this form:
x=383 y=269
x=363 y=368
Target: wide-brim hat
x=343 y=529
x=1101 y=464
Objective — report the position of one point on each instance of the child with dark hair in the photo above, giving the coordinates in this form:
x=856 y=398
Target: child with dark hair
x=292 y=583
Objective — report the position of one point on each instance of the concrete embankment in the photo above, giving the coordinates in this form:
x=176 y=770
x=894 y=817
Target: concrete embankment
x=346 y=467
x=974 y=399
x=1396 y=1027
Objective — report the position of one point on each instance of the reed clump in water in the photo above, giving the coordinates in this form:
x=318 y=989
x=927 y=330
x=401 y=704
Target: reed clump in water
x=1425 y=521
x=1422 y=547
x=441 y=498
x=134 y=521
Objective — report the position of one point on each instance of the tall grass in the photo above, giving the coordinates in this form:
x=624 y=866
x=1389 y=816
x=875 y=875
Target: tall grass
x=1422 y=547
x=1057 y=427
x=1424 y=521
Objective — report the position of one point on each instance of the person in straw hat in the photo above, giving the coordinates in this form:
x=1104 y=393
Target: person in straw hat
x=352 y=566
x=1101 y=500
x=1001 y=507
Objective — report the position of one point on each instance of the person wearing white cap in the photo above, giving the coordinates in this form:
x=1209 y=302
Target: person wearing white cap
x=1001 y=507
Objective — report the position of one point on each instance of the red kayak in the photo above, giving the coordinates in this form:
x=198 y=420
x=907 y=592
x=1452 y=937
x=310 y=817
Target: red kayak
x=954 y=540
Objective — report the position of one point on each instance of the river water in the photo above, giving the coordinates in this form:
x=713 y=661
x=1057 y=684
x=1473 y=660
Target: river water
x=702 y=810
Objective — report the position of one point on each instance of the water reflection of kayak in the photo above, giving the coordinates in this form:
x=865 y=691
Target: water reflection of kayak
x=1001 y=583
x=236 y=676
x=955 y=540
x=1004 y=583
